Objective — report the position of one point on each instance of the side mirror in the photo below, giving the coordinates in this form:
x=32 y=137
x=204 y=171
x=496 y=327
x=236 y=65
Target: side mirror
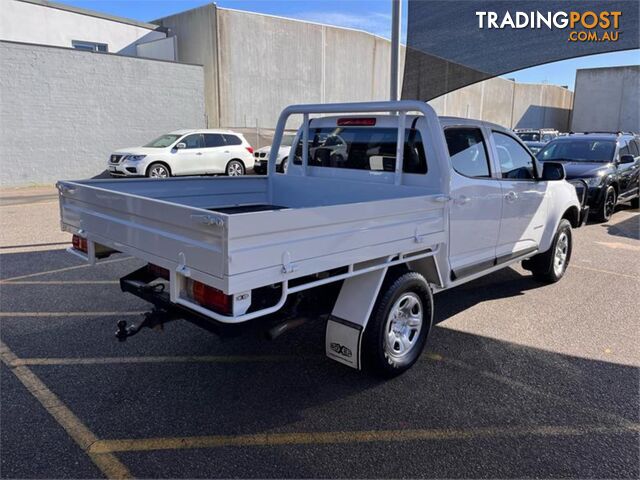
x=626 y=159
x=553 y=171
x=181 y=145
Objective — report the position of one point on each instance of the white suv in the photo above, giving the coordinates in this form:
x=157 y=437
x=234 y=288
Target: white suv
x=185 y=152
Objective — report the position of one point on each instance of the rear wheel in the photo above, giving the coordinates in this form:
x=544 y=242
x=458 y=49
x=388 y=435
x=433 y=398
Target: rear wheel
x=235 y=168
x=550 y=266
x=399 y=325
x=158 y=170
x=608 y=205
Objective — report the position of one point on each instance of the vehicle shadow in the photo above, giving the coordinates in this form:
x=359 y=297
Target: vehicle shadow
x=629 y=228
x=504 y=283
x=464 y=383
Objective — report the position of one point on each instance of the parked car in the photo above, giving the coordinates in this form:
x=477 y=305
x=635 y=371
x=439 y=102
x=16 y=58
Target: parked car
x=535 y=147
x=185 y=152
x=608 y=162
x=536 y=134
x=262 y=156
x=367 y=239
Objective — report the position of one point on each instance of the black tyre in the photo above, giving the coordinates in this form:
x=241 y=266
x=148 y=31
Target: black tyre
x=158 y=170
x=635 y=203
x=550 y=266
x=235 y=168
x=399 y=324
x=608 y=205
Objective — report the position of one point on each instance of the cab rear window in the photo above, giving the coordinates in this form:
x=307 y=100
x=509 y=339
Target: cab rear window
x=363 y=148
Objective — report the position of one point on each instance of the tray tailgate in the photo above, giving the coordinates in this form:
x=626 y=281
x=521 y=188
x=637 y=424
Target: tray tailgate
x=134 y=224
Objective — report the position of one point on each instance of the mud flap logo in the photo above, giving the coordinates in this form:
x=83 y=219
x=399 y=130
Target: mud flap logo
x=342 y=342
x=341 y=350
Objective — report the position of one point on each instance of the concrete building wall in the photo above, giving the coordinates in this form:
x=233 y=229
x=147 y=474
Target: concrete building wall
x=198 y=44
x=539 y=105
x=267 y=63
x=510 y=104
x=36 y=22
x=255 y=65
x=62 y=111
x=607 y=99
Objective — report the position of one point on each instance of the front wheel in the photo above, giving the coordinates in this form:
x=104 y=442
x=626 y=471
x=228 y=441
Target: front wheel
x=608 y=205
x=158 y=170
x=550 y=266
x=235 y=168
x=399 y=325
x=635 y=203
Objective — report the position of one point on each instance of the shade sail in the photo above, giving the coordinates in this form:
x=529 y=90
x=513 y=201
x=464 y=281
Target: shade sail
x=447 y=49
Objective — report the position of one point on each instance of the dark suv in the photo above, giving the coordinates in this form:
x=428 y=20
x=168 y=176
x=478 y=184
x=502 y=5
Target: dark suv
x=608 y=162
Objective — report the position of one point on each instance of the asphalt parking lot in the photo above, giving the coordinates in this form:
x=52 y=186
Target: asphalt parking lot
x=518 y=380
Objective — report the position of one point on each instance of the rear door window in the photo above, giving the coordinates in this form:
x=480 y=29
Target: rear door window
x=468 y=152
x=363 y=148
x=212 y=140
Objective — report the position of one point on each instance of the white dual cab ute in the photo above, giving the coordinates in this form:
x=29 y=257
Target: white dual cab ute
x=375 y=214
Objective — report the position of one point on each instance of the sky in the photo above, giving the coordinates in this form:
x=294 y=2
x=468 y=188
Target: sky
x=373 y=16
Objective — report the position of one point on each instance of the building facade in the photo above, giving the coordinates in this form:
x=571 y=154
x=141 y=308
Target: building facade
x=46 y=23
x=607 y=99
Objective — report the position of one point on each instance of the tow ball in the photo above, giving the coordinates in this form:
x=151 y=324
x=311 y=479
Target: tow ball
x=154 y=318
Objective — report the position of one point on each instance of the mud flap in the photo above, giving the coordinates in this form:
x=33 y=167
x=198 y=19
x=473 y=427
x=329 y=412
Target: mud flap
x=343 y=341
x=350 y=315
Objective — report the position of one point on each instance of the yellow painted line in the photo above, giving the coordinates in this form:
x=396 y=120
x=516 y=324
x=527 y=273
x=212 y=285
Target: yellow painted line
x=617 y=274
x=66 y=269
x=108 y=464
x=341 y=437
x=178 y=359
x=66 y=314
x=158 y=359
x=62 y=282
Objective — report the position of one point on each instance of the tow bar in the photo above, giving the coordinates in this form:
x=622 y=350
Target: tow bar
x=155 y=318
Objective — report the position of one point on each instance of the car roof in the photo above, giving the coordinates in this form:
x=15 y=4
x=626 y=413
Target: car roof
x=595 y=136
x=185 y=131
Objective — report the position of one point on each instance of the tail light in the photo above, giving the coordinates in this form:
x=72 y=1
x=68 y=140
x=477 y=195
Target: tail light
x=209 y=297
x=79 y=243
x=159 y=272
x=249 y=149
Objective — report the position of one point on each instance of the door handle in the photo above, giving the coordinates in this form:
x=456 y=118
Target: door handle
x=511 y=196
x=198 y=153
x=462 y=200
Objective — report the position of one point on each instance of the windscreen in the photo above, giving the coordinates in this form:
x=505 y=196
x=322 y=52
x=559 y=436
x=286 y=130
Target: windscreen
x=362 y=148
x=163 y=141
x=529 y=136
x=579 y=150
